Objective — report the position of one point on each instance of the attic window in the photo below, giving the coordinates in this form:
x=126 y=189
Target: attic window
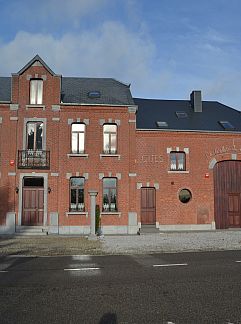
x=161 y=124
x=181 y=114
x=94 y=94
x=226 y=125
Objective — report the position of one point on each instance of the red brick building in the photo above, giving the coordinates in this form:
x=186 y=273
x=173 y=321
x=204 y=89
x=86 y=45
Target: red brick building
x=159 y=164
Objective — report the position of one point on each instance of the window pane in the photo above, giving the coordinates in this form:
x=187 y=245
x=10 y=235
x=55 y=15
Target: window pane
x=181 y=161
x=185 y=196
x=81 y=142
x=113 y=143
x=106 y=143
x=74 y=142
x=39 y=136
x=33 y=91
x=30 y=136
x=81 y=196
x=113 y=195
x=173 y=161
x=109 y=183
x=39 y=91
x=108 y=128
x=78 y=127
x=73 y=196
x=77 y=182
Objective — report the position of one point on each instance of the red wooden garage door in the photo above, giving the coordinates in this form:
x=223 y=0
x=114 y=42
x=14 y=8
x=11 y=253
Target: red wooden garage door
x=227 y=191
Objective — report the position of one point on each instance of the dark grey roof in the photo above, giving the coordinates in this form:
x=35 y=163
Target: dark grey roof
x=112 y=92
x=151 y=110
x=5 y=89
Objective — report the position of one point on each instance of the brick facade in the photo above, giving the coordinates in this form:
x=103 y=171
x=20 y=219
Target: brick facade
x=142 y=160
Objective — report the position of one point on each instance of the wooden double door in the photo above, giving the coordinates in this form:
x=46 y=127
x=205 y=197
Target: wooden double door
x=148 y=206
x=227 y=194
x=33 y=202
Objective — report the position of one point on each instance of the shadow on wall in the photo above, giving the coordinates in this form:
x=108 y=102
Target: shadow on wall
x=5 y=206
x=108 y=318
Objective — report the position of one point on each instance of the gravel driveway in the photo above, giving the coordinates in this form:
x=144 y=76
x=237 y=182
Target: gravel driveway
x=122 y=244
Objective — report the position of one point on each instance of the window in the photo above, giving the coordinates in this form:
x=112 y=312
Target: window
x=110 y=138
x=77 y=194
x=181 y=114
x=34 y=136
x=109 y=194
x=94 y=94
x=36 y=92
x=78 y=138
x=161 y=124
x=185 y=196
x=226 y=125
x=177 y=161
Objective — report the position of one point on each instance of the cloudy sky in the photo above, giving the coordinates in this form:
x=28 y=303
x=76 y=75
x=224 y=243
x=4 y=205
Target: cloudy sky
x=164 y=48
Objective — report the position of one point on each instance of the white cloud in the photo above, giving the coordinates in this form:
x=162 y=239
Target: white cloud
x=110 y=51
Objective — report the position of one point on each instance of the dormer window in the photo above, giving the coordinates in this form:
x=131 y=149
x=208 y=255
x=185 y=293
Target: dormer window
x=36 y=92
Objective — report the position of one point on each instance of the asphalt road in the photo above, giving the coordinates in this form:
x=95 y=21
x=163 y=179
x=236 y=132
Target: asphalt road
x=157 y=288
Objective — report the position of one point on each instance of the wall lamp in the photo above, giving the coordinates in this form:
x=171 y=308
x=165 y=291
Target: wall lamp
x=49 y=190
x=16 y=190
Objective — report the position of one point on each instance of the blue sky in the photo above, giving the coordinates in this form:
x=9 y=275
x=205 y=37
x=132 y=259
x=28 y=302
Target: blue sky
x=164 y=48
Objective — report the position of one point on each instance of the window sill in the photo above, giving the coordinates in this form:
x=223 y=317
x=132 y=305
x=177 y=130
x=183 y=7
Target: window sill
x=76 y=213
x=35 y=106
x=110 y=155
x=78 y=155
x=176 y=171
x=111 y=213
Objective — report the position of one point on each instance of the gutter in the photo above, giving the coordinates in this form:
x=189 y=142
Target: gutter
x=187 y=131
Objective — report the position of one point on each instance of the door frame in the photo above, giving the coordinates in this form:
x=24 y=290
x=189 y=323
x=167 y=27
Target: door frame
x=20 y=195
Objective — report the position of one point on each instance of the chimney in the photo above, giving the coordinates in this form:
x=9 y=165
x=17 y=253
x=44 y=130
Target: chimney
x=196 y=100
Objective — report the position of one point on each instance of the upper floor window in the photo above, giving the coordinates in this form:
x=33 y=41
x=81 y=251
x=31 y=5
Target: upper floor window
x=177 y=161
x=78 y=138
x=109 y=194
x=77 y=194
x=110 y=138
x=34 y=135
x=36 y=92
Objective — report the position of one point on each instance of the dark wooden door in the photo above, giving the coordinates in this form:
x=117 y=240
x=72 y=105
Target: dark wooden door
x=227 y=191
x=233 y=210
x=148 y=206
x=33 y=206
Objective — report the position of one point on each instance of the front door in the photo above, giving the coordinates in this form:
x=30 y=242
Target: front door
x=148 y=206
x=33 y=201
x=234 y=210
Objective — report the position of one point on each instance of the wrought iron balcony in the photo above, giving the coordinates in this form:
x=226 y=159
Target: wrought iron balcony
x=30 y=159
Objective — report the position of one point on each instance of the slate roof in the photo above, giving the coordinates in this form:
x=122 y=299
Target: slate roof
x=75 y=91
x=5 y=89
x=151 y=110
x=112 y=92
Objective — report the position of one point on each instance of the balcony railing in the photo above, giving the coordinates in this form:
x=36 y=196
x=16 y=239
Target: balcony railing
x=30 y=159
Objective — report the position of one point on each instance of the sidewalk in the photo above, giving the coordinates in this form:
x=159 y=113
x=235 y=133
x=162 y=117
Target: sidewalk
x=126 y=244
